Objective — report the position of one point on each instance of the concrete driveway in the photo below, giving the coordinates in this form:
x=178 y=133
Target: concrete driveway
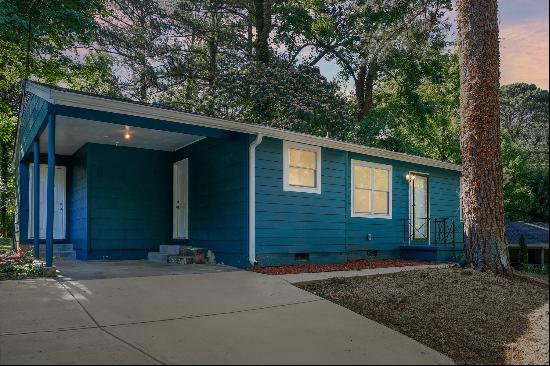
x=140 y=313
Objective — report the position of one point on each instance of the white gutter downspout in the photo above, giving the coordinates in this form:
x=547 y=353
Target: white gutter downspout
x=252 y=199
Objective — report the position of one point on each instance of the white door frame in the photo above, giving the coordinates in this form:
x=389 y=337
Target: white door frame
x=411 y=214
x=180 y=199
x=60 y=202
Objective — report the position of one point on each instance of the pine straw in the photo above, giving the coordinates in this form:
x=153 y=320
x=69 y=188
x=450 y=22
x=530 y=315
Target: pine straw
x=468 y=315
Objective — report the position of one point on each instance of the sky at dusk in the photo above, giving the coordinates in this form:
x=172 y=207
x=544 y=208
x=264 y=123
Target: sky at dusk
x=523 y=42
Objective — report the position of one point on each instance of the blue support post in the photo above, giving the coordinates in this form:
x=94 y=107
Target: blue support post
x=36 y=198
x=50 y=190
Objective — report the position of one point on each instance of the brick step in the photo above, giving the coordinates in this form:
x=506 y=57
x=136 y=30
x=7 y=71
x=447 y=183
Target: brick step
x=183 y=255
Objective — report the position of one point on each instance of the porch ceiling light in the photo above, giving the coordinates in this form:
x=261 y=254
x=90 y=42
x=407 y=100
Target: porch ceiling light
x=127 y=134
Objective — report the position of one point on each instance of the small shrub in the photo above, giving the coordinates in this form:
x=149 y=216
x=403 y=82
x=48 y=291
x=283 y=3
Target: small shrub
x=523 y=251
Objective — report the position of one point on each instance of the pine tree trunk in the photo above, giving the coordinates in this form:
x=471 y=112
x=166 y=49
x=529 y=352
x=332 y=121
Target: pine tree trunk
x=262 y=17
x=482 y=180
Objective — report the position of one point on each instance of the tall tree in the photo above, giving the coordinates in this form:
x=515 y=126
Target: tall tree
x=39 y=39
x=524 y=114
x=360 y=36
x=482 y=179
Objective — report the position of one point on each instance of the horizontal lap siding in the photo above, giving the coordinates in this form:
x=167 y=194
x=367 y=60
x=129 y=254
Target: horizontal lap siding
x=130 y=201
x=77 y=188
x=321 y=224
x=388 y=234
x=218 y=197
x=296 y=222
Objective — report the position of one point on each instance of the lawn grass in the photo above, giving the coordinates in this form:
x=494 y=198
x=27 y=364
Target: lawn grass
x=538 y=272
x=468 y=315
x=5 y=245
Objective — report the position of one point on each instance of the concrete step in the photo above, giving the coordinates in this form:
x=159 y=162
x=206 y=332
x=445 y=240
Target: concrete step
x=60 y=247
x=60 y=250
x=173 y=249
x=67 y=255
x=157 y=257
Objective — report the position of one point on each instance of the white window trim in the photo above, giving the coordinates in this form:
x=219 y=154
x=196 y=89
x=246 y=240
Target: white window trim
x=390 y=198
x=294 y=145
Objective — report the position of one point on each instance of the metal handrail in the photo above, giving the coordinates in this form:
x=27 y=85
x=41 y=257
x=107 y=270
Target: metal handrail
x=440 y=230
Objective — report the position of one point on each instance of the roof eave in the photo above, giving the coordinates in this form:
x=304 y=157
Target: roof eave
x=73 y=99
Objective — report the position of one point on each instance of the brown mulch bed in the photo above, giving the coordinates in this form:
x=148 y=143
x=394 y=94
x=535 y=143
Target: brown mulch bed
x=351 y=265
x=470 y=316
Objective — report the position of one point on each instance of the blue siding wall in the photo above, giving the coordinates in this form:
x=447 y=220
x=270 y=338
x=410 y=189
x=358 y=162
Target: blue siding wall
x=77 y=189
x=388 y=235
x=129 y=198
x=294 y=222
x=33 y=116
x=218 y=197
x=321 y=224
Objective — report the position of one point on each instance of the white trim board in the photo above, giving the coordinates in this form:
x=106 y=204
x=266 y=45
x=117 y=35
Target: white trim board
x=286 y=164
x=74 y=99
x=389 y=168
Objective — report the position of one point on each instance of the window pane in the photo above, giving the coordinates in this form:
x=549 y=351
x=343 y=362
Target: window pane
x=301 y=177
x=302 y=158
x=380 y=203
x=361 y=201
x=362 y=176
x=381 y=180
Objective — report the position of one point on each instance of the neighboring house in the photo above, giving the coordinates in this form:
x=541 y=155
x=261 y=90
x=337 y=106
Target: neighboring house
x=127 y=177
x=536 y=238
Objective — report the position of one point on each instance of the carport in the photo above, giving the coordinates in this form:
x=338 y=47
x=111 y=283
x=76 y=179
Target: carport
x=112 y=176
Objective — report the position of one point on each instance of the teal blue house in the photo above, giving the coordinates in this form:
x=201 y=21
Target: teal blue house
x=117 y=179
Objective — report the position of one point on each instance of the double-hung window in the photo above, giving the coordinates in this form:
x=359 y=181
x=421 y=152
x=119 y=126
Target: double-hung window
x=301 y=167
x=371 y=190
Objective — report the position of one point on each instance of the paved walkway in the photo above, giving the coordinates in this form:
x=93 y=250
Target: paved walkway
x=224 y=317
x=305 y=277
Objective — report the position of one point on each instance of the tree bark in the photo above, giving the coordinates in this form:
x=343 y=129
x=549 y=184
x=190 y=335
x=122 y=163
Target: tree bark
x=364 y=86
x=4 y=161
x=262 y=17
x=482 y=178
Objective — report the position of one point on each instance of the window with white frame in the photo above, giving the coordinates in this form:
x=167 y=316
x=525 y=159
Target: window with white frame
x=371 y=189
x=301 y=167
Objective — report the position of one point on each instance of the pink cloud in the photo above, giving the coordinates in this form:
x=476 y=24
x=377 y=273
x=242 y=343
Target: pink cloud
x=524 y=52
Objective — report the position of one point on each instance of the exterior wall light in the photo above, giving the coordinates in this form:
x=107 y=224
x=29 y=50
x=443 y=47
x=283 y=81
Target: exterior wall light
x=410 y=177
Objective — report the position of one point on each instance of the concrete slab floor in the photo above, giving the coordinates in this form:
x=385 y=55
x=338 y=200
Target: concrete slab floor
x=92 y=270
x=228 y=317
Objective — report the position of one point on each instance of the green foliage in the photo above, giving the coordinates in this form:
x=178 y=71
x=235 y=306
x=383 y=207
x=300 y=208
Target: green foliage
x=416 y=109
x=523 y=251
x=537 y=269
x=524 y=116
x=16 y=266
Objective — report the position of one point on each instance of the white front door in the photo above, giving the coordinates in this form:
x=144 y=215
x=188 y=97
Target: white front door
x=59 y=204
x=180 y=201
x=419 y=210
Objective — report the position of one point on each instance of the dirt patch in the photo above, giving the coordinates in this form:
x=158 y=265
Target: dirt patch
x=470 y=316
x=351 y=265
x=532 y=347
